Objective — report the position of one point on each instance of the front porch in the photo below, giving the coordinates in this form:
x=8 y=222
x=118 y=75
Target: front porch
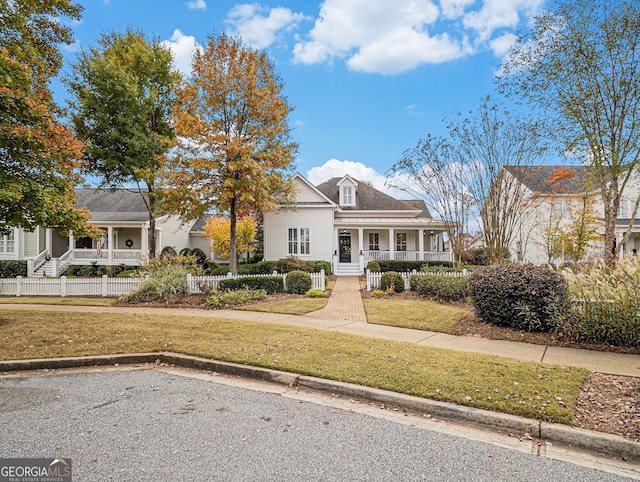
x=120 y=245
x=357 y=246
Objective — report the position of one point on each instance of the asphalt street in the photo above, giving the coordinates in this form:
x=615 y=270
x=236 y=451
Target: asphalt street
x=135 y=425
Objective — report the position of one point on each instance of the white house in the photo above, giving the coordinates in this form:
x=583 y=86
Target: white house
x=553 y=193
x=125 y=220
x=349 y=223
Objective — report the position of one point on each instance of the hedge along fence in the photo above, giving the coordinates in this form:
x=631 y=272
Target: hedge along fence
x=373 y=278
x=106 y=286
x=203 y=284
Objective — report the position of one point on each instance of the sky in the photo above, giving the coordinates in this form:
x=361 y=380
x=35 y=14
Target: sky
x=367 y=78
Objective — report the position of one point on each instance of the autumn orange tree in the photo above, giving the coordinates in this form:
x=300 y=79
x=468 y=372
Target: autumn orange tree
x=38 y=155
x=234 y=148
x=217 y=229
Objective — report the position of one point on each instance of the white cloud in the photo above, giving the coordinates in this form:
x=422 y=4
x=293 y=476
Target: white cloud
x=357 y=170
x=497 y=14
x=260 y=26
x=502 y=45
x=182 y=47
x=197 y=5
x=393 y=37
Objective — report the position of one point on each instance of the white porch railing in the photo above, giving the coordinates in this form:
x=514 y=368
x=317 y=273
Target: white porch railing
x=106 y=286
x=373 y=279
x=376 y=255
x=122 y=256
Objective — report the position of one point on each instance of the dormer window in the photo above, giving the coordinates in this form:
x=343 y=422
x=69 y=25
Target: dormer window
x=347 y=187
x=347 y=196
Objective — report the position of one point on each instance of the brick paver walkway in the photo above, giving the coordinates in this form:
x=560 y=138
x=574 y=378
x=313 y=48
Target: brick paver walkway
x=344 y=303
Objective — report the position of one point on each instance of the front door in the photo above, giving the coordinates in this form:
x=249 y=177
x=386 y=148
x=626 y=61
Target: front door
x=345 y=248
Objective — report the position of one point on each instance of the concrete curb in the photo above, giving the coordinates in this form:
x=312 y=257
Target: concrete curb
x=576 y=437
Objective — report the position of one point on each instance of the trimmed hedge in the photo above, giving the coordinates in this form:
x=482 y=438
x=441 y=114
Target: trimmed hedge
x=521 y=296
x=299 y=282
x=271 y=284
x=445 y=288
x=373 y=266
x=393 y=265
x=392 y=279
x=13 y=268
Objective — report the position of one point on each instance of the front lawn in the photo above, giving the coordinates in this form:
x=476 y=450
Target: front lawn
x=545 y=392
x=419 y=315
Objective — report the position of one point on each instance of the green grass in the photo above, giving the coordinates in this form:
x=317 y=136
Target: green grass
x=521 y=388
x=298 y=306
x=419 y=315
x=58 y=300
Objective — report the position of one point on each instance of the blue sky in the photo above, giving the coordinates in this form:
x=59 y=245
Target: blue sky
x=367 y=78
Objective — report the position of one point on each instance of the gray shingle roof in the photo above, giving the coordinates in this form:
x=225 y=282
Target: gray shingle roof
x=370 y=199
x=540 y=179
x=118 y=205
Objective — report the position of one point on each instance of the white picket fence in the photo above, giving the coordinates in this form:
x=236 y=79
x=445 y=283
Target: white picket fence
x=106 y=286
x=373 y=278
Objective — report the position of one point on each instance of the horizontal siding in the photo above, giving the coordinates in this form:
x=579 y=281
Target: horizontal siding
x=174 y=233
x=320 y=224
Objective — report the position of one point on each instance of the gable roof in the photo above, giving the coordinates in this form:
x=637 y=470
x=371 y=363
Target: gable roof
x=314 y=196
x=118 y=205
x=369 y=198
x=540 y=179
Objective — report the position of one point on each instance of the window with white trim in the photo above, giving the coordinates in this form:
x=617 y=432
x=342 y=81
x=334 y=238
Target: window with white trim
x=7 y=242
x=347 y=195
x=374 y=242
x=401 y=241
x=298 y=241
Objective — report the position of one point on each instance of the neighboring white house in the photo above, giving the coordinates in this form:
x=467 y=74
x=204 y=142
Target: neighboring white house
x=349 y=223
x=553 y=192
x=125 y=220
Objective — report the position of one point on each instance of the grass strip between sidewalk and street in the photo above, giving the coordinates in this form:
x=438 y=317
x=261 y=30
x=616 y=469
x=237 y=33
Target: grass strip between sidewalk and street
x=545 y=392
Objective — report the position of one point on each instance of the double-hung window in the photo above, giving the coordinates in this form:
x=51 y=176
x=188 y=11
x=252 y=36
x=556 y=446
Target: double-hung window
x=401 y=242
x=298 y=241
x=7 y=242
x=374 y=242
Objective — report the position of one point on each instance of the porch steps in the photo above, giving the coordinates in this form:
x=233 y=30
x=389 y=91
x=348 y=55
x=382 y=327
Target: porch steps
x=352 y=269
x=44 y=270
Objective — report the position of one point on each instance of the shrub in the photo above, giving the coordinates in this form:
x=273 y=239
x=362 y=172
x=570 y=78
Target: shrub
x=201 y=257
x=521 y=296
x=392 y=280
x=607 y=306
x=445 y=288
x=378 y=293
x=233 y=298
x=373 y=266
x=291 y=263
x=298 y=282
x=86 y=271
x=187 y=262
x=185 y=252
x=13 y=268
x=265 y=267
x=168 y=251
x=322 y=265
x=271 y=284
x=316 y=294
x=165 y=282
x=127 y=273
x=393 y=265
x=214 y=269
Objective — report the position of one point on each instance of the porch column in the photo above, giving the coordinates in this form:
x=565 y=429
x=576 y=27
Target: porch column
x=361 y=246
x=144 y=241
x=49 y=248
x=421 y=244
x=110 y=243
x=72 y=241
x=391 y=244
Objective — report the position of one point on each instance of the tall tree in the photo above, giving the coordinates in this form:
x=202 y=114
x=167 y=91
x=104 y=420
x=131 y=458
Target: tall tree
x=470 y=168
x=581 y=65
x=123 y=94
x=217 y=229
x=435 y=172
x=235 y=145
x=38 y=156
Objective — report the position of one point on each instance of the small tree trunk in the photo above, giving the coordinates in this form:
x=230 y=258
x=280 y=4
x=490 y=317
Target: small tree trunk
x=233 y=218
x=151 y=235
